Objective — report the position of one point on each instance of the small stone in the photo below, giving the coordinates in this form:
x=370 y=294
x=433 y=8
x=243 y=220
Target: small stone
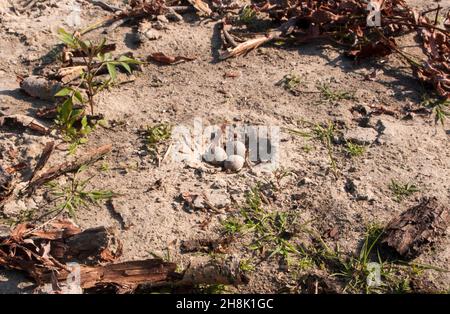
x=361 y=136
x=4 y=231
x=152 y=34
x=359 y=191
x=297 y=196
x=219 y=199
x=409 y=116
x=14 y=208
x=220 y=184
x=162 y=19
x=198 y=202
x=234 y=163
x=306 y=181
x=174 y=17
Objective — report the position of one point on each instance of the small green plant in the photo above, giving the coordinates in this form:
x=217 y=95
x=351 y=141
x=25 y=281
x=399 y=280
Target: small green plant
x=402 y=190
x=329 y=94
x=104 y=167
x=290 y=82
x=246 y=265
x=325 y=135
x=305 y=263
x=441 y=112
x=75 y=194
x=71 y=119
x=247 y=15
x=231 y=226
x=158 y=133
x=155 y=136
x=356 y=269
x=440 y=107
x=271 y=230
x=213 y=289
x=166 y=257
x=279 y=174
x=94 y=60
x=354 y=150
x=307 y=148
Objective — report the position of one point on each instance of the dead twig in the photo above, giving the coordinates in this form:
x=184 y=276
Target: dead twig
x=104 y=5
x=45 y=155
x=67 y=167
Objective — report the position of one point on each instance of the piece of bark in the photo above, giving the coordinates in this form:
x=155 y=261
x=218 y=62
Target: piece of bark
x=228 y=38
x=68 y=241
x=90 y=245
x=47 y=113
x=5 y=184
x=204 y=270
x=318 y=283
x=105 y=6
x=43 y=158
x=418 y=228
x=218 y=245
x=54 y=230
x=24 y=121
x=69 y=166
x=40 y=87
x=68 y=74
x=41 y=251
x=127 y=274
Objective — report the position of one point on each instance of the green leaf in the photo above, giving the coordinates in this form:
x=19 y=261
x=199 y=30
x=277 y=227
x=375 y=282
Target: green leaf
x=126 y=67
x=85 y=46
x=66 y=110
x=76 y=114
x=101 y=57
x=107 y=56
x=128 y=60
x=78 y=96
x=67 y=38
x=84 y=121
x=112 y=70
x=63 y=92
x=99 y=47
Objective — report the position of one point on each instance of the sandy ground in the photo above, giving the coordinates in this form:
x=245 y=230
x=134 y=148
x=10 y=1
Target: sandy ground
x=148 y=214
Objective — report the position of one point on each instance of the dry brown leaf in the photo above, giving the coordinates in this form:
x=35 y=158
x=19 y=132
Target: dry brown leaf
x=165 y=59
x=201 y=6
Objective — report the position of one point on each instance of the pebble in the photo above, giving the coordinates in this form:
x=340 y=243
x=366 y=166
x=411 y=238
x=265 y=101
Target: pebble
x=162 y=19
x=219 y=199
x=361 y=136
x=219 y=184
x=306 y=181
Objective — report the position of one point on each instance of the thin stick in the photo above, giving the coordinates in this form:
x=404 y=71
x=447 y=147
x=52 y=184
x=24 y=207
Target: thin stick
x=104 y=5
x=230 y=40
x=45 y=155
x=67 y=167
